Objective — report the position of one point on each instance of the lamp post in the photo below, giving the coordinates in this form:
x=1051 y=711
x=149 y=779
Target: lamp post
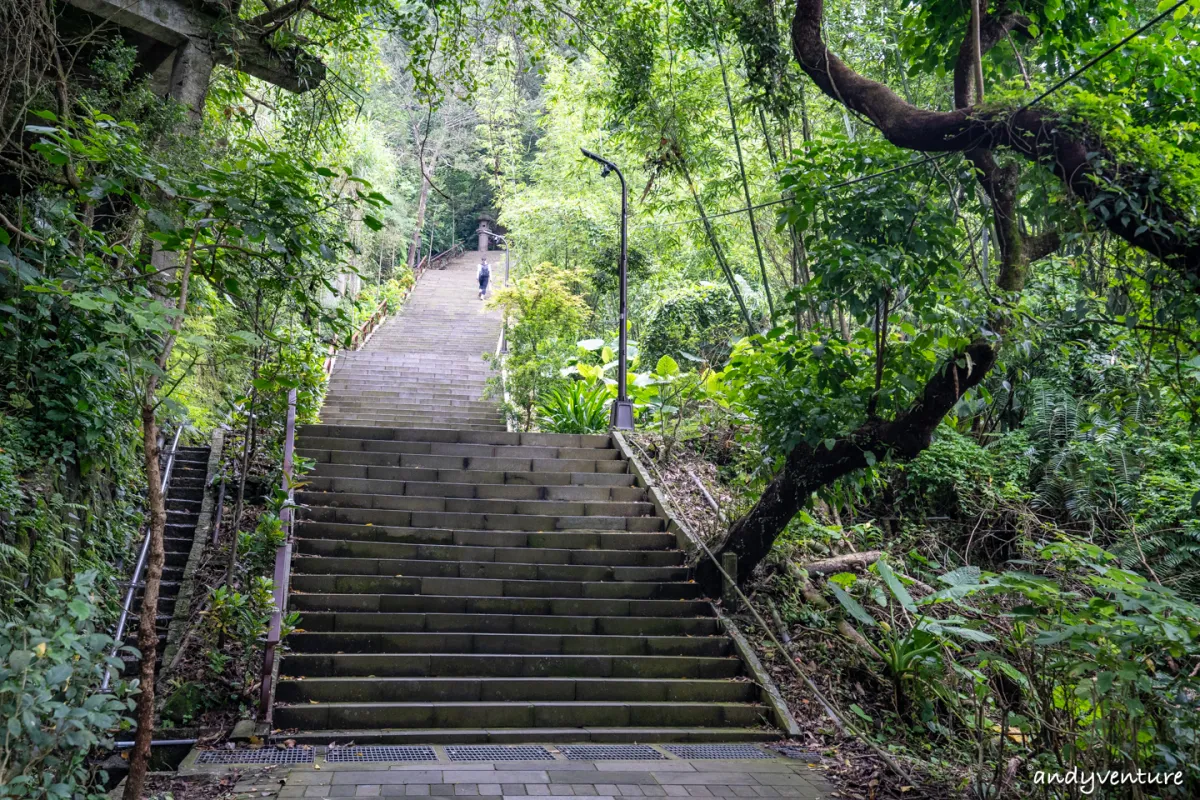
x=622 y=408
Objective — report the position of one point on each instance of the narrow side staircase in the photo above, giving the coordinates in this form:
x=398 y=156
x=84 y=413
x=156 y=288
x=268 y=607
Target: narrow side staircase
x=463 y=584
x=185 y=493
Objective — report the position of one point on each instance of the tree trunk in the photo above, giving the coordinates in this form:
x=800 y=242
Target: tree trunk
x=139 y=760
x=147 y=629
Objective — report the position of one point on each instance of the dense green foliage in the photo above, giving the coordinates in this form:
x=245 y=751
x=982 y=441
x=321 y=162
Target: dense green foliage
x=1035 y=603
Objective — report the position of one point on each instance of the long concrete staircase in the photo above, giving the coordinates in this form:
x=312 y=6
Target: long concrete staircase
x=462 y=584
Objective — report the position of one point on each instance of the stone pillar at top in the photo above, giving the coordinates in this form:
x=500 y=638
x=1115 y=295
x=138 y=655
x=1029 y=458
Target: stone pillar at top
x=484 y=232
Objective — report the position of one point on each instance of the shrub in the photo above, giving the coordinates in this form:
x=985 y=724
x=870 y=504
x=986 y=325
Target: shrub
x=544 y=317
x=701 y=321
x=52 y=660
x=579 y=407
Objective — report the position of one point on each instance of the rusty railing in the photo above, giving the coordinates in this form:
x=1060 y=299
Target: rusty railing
x=433 y=261
x=283 y=569
x=360 y=336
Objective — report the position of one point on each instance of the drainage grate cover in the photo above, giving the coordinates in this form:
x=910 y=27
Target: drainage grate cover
x=362 y=755
x=731 y=751
x=262 y=755
x=611 y=752
x=491 y=752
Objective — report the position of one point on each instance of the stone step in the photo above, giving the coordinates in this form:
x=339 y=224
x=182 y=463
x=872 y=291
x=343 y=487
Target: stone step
x=376 y=459
x=473 y=505
x=597 y=734
x=507 y=643
x=492 y=587
x=478 y=520
x=502 y=690
x=461 y=449
x=600 y=441
x=500 y=555
x=466 y=604
x=482 y=491
x=493 y=665
x=535 y=714
x=580 y=539
x=317 y=622
x=490 y=425
x=472 y=477
x=340 y=565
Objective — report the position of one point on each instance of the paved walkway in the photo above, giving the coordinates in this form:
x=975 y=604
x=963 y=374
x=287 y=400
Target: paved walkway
x=772 y=776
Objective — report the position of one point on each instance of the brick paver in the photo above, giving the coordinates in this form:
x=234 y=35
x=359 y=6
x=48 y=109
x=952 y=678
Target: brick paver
x=578 y=780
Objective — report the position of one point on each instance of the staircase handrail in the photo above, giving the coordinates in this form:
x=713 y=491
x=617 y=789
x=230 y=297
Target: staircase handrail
x=127 y=604
x=360 y=336
x=428 y=261
x=283 y=568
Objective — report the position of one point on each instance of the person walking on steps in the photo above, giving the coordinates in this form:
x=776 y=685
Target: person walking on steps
x=484 y=275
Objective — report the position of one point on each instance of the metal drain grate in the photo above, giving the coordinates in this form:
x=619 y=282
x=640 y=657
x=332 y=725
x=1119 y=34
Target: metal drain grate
x=362 y=755
x=611 y=752
x=730 y=751
x=491 y=752
x=262 y=755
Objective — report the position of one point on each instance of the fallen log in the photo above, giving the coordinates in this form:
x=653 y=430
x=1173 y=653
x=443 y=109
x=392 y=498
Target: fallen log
x=828 y=566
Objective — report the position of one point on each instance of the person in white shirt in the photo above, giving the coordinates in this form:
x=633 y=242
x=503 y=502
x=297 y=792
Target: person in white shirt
x=483 y=275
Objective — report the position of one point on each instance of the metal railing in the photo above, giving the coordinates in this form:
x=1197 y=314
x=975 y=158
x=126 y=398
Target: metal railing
x=432 y=261
x=360 y=336
x=131 y=592
x=283 y=568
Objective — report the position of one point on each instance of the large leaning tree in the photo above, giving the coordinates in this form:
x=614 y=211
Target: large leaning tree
x=1110 y=183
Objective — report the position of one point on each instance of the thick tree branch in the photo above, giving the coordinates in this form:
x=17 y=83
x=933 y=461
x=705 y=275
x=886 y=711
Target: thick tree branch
x=809 y=468
x=1120 y=194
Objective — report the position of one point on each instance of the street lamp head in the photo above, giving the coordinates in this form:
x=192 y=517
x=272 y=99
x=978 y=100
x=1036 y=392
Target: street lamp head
x=606 y=166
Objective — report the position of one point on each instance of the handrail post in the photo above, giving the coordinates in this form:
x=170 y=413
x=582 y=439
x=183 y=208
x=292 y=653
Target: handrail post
x=283 y=567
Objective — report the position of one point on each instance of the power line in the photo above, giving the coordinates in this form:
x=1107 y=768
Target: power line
x=861 y=179
x=929 y=159
x=1103 y=55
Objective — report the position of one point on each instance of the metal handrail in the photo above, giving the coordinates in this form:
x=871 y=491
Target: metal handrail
x=141 y=564
x=360 y=336
x=428 y=261
x=283 y=568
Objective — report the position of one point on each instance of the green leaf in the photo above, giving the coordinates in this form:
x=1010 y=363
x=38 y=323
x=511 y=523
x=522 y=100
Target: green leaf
x=963 y=576
x=970 y=634
x=897 y=588
x=851 y=605
x=372 y=223
x=667 y=366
